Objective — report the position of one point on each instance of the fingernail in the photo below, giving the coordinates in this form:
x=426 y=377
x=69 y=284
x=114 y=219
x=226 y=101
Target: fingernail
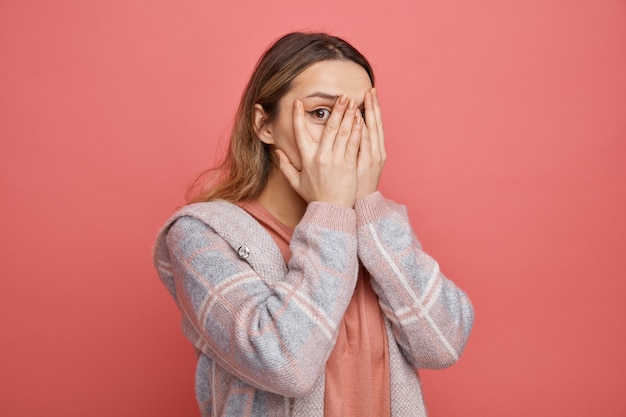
x=343 y=99
x=352 y=105
x=297 y=104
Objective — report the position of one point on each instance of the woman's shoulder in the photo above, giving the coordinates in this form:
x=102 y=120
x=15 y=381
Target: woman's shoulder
x=201 y=208
x=220 y=218
x=228 y=223
x=218 y=214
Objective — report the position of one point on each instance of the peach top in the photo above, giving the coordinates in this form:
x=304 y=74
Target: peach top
x=357 y=371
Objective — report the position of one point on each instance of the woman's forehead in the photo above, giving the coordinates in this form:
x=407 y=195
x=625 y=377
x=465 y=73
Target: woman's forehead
x=331 y=79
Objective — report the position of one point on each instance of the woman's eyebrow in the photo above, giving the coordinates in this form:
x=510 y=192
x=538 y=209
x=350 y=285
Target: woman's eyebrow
x=323 y=95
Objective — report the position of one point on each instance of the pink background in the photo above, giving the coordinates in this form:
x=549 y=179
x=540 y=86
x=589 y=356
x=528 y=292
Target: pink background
x=506 y=132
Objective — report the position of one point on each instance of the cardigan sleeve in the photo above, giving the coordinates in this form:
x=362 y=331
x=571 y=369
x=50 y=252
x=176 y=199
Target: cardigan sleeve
x=430 y=316
x=275 y=336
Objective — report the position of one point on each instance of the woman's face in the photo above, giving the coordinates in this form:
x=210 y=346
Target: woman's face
x=318 y=87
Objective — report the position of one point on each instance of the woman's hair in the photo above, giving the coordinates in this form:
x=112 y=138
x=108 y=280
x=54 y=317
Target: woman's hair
x=242 y=173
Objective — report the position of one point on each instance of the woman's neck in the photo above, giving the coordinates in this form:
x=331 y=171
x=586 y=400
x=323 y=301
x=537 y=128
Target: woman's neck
x=281 y=200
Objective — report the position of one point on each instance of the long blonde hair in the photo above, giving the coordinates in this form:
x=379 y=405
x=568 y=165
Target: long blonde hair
x=243 y=171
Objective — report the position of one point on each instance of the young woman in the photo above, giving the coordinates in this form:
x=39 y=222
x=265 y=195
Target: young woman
x=303 y=290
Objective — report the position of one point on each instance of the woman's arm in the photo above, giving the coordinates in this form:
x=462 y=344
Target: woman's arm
x=275 y=337
x=431 y=317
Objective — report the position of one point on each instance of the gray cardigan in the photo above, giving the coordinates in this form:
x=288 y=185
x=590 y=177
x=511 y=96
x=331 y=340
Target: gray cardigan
x=263 y=330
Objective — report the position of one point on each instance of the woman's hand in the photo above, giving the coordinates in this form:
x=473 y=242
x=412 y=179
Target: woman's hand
x=329 y=167
x=372 y=155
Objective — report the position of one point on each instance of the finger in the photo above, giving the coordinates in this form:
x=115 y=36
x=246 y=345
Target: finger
x=289 y=171
x=379 y=119
x=302 y=136
x=371 y=122
x=365 y=147
x=354 y=141
x=345 y=129
x=333 y=123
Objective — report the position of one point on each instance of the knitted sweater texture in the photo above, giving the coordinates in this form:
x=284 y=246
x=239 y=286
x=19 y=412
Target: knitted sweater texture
x=263 y=330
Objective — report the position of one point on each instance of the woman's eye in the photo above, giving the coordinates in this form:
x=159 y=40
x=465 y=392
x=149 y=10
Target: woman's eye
x=320 y=115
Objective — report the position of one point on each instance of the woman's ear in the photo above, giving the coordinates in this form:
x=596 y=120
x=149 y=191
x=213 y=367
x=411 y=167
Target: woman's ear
x=262 y=129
